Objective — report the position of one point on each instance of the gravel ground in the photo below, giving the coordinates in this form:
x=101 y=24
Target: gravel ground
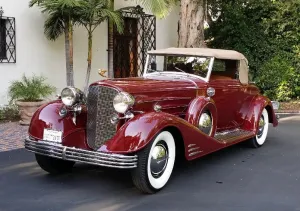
x=12 y=136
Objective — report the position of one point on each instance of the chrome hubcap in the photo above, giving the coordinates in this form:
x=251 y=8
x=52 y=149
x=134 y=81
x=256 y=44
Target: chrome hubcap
x=261 y=126
x=205 y=123
x=159 y=159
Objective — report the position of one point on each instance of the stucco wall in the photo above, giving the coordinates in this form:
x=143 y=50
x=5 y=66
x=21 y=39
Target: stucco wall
x=37 y=55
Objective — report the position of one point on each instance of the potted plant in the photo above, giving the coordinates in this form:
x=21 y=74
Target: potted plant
x=29 y=94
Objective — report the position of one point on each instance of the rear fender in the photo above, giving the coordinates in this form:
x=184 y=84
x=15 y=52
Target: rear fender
x=135 y=134
x=47 y=117
x=257 y=106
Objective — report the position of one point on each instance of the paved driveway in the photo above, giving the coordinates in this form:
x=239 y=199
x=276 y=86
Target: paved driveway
x=237 y=178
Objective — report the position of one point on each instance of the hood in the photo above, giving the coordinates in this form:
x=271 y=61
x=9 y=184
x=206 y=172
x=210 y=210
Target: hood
x=172 y=94
x=157 y=83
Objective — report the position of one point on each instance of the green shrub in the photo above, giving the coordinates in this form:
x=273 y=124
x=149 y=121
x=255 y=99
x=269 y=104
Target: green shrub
x=9 y=113
x=30 y=89
x=278 y=79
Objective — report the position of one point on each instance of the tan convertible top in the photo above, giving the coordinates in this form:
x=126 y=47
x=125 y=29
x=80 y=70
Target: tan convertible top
x=209 y=52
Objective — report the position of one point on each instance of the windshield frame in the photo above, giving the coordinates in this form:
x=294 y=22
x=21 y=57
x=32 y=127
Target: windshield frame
x=206 y=79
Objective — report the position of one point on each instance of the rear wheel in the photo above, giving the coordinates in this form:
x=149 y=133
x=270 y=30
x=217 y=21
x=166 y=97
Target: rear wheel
x=262 y=132
x=155 y=164
x=53 y=165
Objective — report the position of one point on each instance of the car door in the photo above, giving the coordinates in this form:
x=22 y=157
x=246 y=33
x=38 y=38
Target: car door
x=227 y=93
x=226 y=101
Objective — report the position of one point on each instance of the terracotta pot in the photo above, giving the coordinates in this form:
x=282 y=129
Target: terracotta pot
x=27 y=109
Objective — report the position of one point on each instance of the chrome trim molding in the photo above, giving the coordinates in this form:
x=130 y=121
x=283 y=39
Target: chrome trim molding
x=194 y=153
x=193 y=149
x=164 y=99
x=191 y=145
x=173 y=107
x=59 y=151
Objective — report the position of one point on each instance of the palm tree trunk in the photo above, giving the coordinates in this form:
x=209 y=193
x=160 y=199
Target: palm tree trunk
x=111 y=45
x=69 y=53
x=89 y=60
x=191 y=24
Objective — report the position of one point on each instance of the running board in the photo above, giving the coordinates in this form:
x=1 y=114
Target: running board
x=233 y=135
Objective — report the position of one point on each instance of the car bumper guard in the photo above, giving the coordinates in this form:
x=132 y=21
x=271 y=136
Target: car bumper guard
x=59 y=151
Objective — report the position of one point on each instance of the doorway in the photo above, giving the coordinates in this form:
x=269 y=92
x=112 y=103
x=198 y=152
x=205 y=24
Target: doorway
x=131 y=46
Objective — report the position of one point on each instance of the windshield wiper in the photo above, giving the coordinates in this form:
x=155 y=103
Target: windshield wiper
x=179 y=69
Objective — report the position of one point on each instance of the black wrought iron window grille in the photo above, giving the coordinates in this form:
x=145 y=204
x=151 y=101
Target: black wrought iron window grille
x=7 y=39
x=131 y=47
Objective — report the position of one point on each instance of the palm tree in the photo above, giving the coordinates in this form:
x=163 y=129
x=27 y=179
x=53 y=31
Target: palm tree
x=61 y=18
x=91 y=14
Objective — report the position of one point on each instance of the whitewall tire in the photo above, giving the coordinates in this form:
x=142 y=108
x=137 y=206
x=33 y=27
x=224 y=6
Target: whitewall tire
x=155 y=163
x=262 y=131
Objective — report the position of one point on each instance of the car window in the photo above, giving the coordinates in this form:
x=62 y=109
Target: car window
x=224 y=69
x=219 y=66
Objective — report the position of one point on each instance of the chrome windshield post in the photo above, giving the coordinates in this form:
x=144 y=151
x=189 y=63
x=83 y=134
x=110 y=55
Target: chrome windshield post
x=211 y=64
x=146 y=65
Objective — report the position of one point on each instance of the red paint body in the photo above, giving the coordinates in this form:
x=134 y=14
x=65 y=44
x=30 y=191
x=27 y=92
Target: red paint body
x=183 y=100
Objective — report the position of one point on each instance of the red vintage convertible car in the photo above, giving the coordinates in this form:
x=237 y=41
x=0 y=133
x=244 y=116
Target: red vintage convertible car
x=189 y=101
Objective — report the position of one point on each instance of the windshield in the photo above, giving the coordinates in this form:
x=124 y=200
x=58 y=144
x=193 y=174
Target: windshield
x=198 y=66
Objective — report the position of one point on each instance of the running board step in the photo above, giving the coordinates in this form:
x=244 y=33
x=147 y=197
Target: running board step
x=233 y=135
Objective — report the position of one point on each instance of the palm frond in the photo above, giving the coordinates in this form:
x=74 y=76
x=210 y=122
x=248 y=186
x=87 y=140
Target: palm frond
x=54 y=26
x=114 y=16
x=94 y=12
x=34 y=2
x=160 y=8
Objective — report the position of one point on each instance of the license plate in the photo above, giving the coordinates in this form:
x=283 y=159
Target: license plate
x=52 y=135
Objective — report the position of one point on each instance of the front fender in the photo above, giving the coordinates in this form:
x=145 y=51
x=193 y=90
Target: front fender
x=140 y=130
x=199 y=105
x=47 y=117
x=252 y=118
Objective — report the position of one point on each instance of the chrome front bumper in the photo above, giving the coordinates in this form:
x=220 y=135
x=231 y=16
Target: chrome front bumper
x=79 y=155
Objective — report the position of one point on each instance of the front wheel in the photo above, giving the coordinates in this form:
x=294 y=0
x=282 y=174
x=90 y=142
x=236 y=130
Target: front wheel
x=155 y=163
x=262 y=132
x=53 y=165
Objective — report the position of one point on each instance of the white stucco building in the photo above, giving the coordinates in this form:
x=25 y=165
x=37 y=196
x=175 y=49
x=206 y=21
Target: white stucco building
x=37 y=55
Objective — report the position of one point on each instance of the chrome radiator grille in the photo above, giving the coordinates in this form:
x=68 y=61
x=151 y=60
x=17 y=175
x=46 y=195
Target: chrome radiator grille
x=100 y=110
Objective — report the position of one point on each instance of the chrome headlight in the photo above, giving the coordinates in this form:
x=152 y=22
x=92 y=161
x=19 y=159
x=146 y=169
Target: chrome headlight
x=123 y=101
x=71 y=96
